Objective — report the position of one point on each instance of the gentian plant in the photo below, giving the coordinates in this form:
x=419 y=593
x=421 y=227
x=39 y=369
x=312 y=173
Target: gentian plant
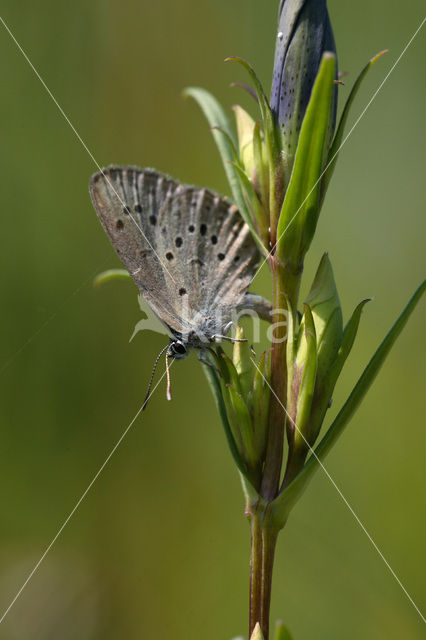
x=279 y=164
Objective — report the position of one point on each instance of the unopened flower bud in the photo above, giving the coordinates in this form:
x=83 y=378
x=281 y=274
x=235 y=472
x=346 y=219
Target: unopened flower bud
x=245 y=129
x=304 y=35
x=324 y=302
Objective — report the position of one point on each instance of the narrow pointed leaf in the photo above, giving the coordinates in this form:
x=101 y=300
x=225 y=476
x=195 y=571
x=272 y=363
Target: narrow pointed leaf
x=334 y=150
x=325 y=386
x=273 y=142
x=283 y=504
x=255 y=207
x=213 y=380
x=232 y=377
x=217 y=118
x=247 y=88
x=349 y=336
x=243 y=420
x=300 y=210
x=232 y=147
x=267 y=115
x=261 y=177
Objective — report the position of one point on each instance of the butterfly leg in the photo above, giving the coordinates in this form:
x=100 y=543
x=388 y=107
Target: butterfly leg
x=202 y=359
x=217 y=338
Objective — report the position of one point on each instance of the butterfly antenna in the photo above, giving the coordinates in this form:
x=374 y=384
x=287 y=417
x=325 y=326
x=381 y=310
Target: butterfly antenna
x=168 y=392
x=148 y=391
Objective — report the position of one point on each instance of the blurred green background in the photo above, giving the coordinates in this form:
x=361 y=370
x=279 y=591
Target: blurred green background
x=159 y=547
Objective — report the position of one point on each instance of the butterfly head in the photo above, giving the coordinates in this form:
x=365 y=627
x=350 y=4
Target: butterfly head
x=177 y=349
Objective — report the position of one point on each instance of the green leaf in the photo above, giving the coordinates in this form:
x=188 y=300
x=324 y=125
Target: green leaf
x=300 y=210
x=213 y=380
x=229 y=371
x=272 y=139
x=226 y=143
x=260 y=164
x=325 y=386
x=283 y=504
x=334 y=150
x=256 y=209
x=219 y=123
x=273 y=142
x=240 y=415
x=232 y=147
x=111 y=274
x=349 y=335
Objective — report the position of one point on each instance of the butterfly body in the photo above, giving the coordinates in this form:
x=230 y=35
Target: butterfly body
x=187 y=249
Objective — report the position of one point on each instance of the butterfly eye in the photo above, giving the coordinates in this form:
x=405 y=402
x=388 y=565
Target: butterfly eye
x=178 y=349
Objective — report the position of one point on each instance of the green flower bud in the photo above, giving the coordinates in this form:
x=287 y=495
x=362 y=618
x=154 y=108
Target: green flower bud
x=242 y=362
x=246 y=401
x=253 y=169
x=314 y=358
x=245 y=129
x=258 y=403
x=303 y=373
x=324 y=302
x=240 y=420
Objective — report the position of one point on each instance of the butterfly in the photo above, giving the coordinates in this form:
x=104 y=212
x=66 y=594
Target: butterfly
x=188 y=250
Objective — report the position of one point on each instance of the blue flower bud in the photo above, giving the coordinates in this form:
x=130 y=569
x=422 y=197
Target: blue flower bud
x=304 y=34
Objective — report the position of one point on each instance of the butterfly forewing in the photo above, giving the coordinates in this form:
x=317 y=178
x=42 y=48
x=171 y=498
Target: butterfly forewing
x=187 y=249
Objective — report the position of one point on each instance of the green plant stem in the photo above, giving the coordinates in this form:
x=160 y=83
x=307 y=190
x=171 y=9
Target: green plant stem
x=263 y=542
x=286 y=287
x=295 y=462
x=274 y=451
x=263 y=533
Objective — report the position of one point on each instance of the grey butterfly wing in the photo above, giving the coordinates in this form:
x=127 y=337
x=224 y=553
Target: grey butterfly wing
x=212 y=256
x=187 y=249
x=127 y=201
